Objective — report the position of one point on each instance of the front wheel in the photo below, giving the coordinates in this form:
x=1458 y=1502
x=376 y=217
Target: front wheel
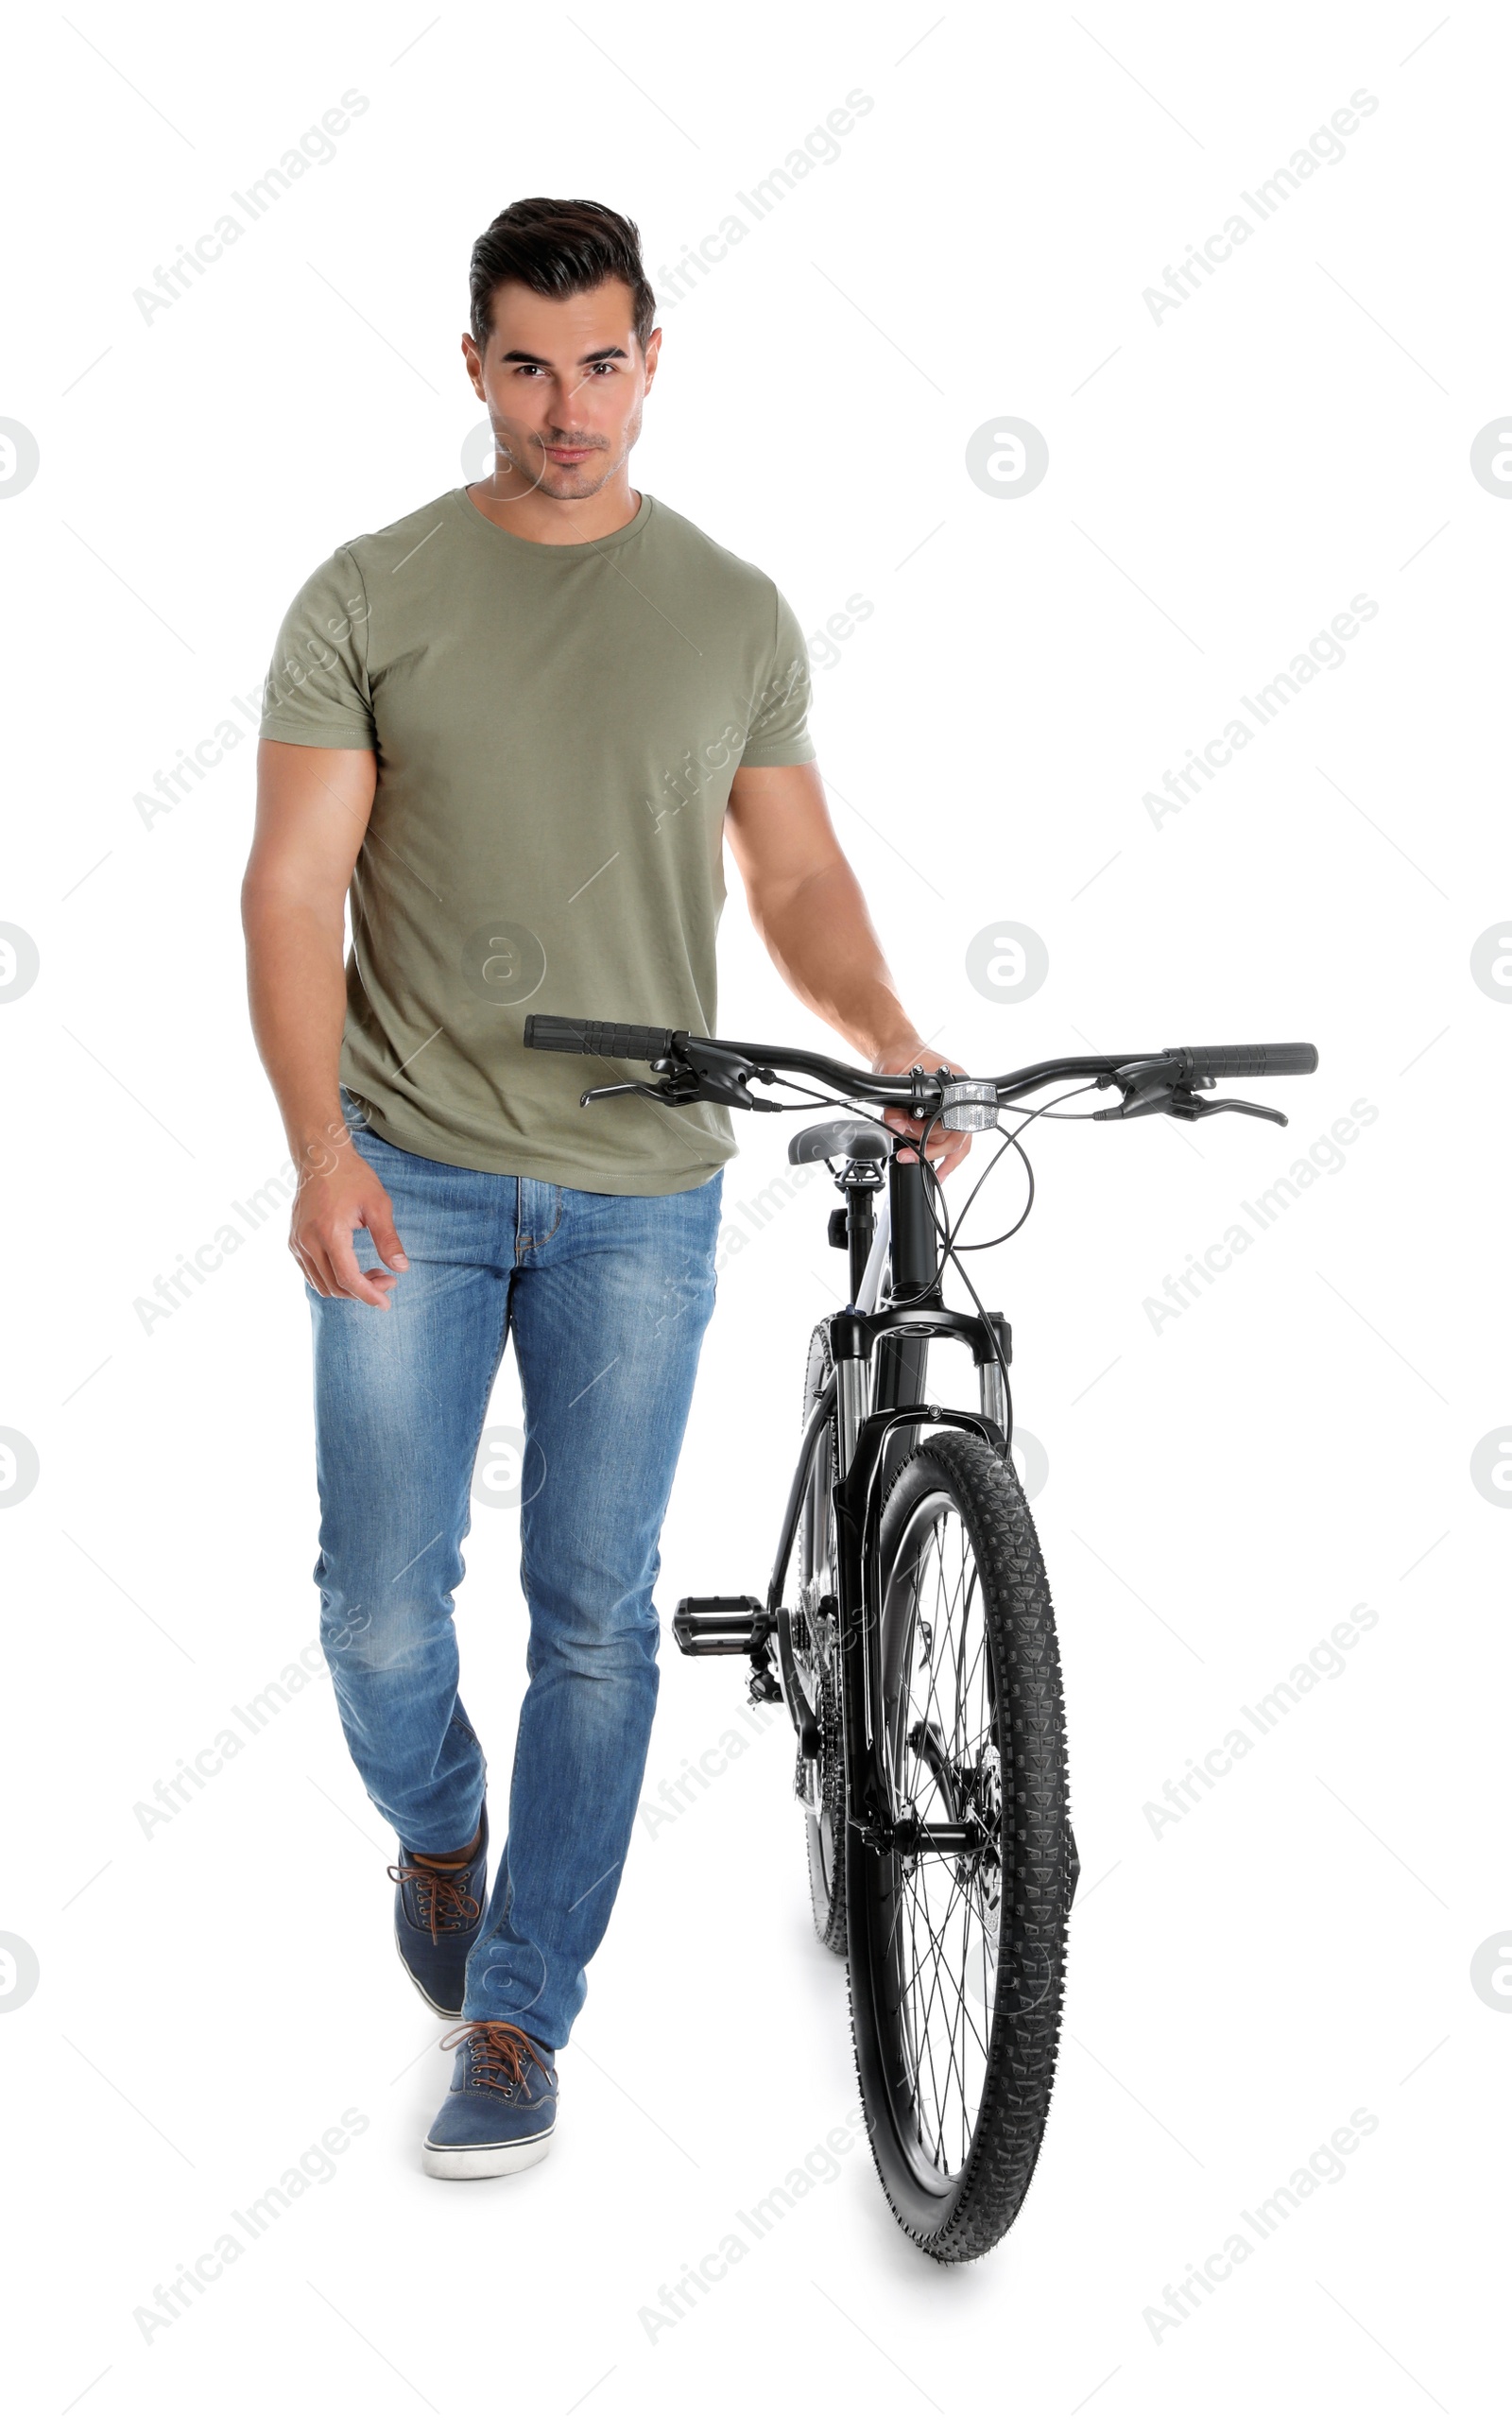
x=957 y=1961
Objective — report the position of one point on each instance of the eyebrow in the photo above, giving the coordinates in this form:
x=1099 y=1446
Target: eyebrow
x=599 y=355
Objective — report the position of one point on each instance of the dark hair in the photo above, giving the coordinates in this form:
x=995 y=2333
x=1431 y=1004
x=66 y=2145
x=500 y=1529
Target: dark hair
x=559 y=249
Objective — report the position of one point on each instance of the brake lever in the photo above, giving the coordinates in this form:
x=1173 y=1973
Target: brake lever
x=621 y=1089
x=716 y=1078
x=716 y=1075
x=1156 y=1096
x=1240 y=1106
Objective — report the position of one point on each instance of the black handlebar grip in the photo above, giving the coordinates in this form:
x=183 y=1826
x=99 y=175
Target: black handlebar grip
x=629 y=1041
x=1239 y=1063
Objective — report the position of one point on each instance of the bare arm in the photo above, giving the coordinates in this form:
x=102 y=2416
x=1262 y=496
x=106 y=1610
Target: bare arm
x=312 y=808
x=810 y=915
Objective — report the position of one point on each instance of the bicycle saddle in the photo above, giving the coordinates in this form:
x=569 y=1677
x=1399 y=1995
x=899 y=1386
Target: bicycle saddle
x=850 y=1135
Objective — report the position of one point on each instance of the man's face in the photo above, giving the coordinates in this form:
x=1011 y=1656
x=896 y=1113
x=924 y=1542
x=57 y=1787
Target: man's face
x=564 y=382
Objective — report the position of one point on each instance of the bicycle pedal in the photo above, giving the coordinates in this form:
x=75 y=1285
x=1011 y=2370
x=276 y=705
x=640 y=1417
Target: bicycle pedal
x=720 y=1626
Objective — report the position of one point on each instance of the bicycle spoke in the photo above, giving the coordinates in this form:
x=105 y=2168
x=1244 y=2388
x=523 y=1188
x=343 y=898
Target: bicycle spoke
x=942 y=1939
x=935 y=1943
x=930 y=2033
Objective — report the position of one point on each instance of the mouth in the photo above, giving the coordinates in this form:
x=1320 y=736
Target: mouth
x=569 y=455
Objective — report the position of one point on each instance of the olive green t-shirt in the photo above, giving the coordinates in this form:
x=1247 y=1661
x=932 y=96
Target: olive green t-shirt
x=556 y=732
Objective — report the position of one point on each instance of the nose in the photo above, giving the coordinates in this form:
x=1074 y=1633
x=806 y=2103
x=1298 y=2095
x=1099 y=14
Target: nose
x=572 y=403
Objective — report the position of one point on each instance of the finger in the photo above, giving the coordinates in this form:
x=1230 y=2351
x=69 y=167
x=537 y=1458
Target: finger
x=322 y=1272
x=350 y=1282
x=317 y=1278
x=378 y=1215
x=306 y=1265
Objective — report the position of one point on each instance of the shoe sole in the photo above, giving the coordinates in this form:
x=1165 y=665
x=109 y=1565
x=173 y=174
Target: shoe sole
x=484 y=2161
x=430 y=2002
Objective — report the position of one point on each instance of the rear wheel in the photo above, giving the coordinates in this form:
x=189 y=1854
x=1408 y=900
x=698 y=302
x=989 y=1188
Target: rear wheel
x=820 y=1781
x=958 y=1960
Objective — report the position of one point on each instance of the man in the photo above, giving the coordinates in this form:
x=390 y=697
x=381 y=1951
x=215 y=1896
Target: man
x=516 y=725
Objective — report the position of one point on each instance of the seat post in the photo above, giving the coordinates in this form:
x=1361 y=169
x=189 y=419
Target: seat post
x=859 y=1227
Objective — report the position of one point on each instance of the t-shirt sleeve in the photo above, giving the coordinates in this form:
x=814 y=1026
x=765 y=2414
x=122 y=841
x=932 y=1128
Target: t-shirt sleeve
x=316 y=689
x=777 y=736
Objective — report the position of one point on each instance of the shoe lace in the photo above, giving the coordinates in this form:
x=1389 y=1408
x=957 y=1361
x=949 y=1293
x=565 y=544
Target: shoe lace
x=441 y=1895
x=497 y=2054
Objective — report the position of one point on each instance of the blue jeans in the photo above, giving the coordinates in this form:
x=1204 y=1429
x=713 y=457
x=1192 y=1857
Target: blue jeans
x=607 y=1298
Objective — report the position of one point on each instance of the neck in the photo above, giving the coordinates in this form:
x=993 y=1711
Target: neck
x=533 y=514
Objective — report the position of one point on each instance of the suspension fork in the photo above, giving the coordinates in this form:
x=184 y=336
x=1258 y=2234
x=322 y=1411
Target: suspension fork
x=858 y=1591
x=902 y=1361
x=873 y=1428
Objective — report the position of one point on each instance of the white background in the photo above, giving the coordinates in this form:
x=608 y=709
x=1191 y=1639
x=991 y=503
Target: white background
x=1221 y=1493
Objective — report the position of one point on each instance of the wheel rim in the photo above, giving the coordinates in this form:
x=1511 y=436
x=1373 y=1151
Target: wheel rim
x=941 y=1915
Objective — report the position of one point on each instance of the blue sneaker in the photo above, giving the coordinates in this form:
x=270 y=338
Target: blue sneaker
x=438 y=1917
x=502 y=2109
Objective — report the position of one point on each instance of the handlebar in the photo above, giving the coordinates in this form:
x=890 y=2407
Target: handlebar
x=720 y=1070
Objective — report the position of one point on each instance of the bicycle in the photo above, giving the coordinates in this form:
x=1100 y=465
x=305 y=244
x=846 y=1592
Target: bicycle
x=917 y=1659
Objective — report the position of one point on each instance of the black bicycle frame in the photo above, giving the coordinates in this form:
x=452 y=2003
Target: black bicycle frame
x=890 y=1346
x=875 y=1398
